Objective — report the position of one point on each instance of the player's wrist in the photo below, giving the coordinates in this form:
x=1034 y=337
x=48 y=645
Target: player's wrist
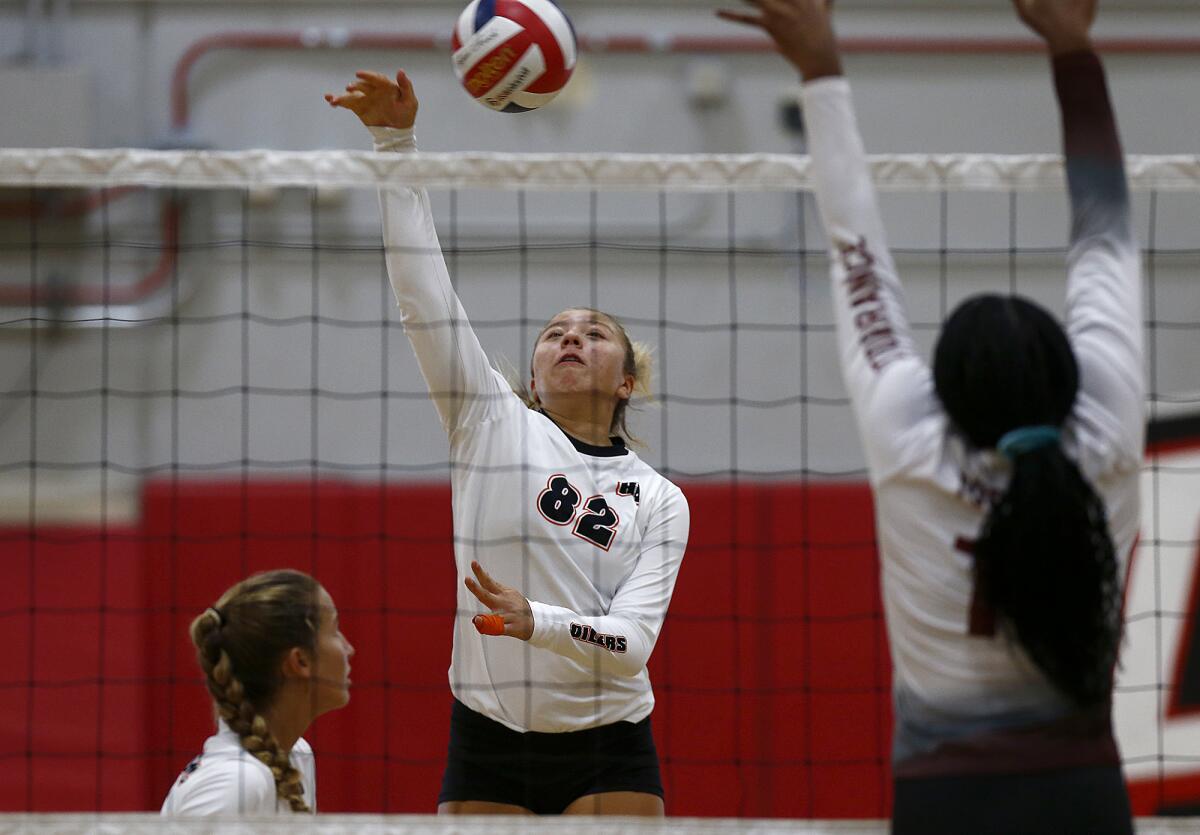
x=1068 y=43
x=523 y=624
x=385 y=122
x=393 y=140
x=830 y=68
x=818 y=60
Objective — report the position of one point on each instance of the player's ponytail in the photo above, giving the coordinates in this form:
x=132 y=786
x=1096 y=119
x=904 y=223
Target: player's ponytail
x=1044 y=558
x=239 y=645
x=639 y=363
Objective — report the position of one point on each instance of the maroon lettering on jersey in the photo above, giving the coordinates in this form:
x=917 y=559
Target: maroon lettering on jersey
x=875 y=333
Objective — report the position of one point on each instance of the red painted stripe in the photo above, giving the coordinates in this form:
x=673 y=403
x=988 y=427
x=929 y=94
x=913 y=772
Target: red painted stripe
x=1152 y=795
x=491 y=68
x=556 y=74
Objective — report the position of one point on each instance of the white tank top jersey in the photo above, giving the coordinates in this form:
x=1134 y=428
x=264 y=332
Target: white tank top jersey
x=227 y=780
x=931 y=491
x=592 y=536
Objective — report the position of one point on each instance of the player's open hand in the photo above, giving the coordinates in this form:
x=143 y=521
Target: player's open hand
x=802 y=29
x=1064 y=24
x=511 y=614
x=378 y=100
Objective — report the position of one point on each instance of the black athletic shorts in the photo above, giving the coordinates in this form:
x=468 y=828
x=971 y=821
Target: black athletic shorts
x=545 y=772
x=1072 y=801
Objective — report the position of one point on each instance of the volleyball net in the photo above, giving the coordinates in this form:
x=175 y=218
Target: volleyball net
x=204 y=376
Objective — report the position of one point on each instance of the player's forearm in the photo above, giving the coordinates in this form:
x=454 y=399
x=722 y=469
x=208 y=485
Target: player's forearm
x=1103 y=285
x=621 y=641
x=872 y=327
x=1092 y=148
x=416 y=268
x=1104 y=318
x=616 y=645
x=844 y=193
x=454 y=365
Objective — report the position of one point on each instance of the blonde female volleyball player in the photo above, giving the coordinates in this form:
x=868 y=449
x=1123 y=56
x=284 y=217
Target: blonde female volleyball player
x=1005 y=479
x=274 y=659
x=552 y=699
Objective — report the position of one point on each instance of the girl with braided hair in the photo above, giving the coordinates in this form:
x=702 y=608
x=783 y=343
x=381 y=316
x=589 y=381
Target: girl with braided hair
x=274 y=659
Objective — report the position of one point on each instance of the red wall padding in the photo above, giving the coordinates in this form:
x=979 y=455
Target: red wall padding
x=771 y=673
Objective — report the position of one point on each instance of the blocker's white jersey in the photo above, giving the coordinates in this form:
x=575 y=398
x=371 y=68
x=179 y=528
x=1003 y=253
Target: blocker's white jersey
x=592 y=536
x=226 y=779
x=931 y=491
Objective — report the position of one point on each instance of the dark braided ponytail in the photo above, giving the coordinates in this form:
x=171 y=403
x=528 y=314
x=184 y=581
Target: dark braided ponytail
x=239 y=644
x=1044 y=560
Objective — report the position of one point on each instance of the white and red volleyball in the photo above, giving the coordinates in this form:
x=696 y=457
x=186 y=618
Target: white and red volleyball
x=513 y=55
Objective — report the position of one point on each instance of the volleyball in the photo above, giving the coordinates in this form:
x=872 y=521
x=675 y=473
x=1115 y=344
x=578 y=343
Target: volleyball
x=513 y=55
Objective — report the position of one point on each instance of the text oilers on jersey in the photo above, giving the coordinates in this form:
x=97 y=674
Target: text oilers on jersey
x=513 y=55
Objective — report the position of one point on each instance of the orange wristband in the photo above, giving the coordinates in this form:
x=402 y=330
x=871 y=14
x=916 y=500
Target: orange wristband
x=488 y=624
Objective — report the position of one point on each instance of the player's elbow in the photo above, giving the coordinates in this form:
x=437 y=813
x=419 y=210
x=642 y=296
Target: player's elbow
x=631 y=651
x=627 y=666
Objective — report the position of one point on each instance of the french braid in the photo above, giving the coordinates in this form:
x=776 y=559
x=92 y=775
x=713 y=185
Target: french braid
x=255 y=622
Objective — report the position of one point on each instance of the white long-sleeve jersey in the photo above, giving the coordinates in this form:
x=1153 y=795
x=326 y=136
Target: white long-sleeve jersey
x=931 y=491
x=226 y=779
x=591 y=535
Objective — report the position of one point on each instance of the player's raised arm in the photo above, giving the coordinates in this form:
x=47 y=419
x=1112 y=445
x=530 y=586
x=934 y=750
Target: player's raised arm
x=1104 y=320
x=882 y=372
x=461 y=381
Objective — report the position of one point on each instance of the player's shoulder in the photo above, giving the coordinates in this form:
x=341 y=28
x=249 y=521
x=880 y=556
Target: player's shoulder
x=302 y=755
x=216 y=783
x=671 y=491
x=658 y=486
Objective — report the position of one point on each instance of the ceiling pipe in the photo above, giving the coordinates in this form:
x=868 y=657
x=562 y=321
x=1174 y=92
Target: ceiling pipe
x=101 y=295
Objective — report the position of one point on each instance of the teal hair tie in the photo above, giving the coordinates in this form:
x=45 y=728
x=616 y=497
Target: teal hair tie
x=1027 y=439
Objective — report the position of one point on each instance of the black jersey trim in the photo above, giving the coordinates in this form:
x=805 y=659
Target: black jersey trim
x=618 y=444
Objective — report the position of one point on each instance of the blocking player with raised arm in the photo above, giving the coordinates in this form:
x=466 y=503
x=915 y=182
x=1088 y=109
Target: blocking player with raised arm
x=274 y=659
x=1005 y=478
x=552 y=700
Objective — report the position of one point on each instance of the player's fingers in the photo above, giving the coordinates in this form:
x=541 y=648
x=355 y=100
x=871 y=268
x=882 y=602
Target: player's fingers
x=486 y=598
x=346 y=101
x=488 y=624
x=361 y=86
x=404 y=82
x=485 y=579
x=372 y=78
x=740 y=17
x=355 y=104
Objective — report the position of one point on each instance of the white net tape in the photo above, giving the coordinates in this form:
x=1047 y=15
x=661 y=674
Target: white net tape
x=559 y=172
